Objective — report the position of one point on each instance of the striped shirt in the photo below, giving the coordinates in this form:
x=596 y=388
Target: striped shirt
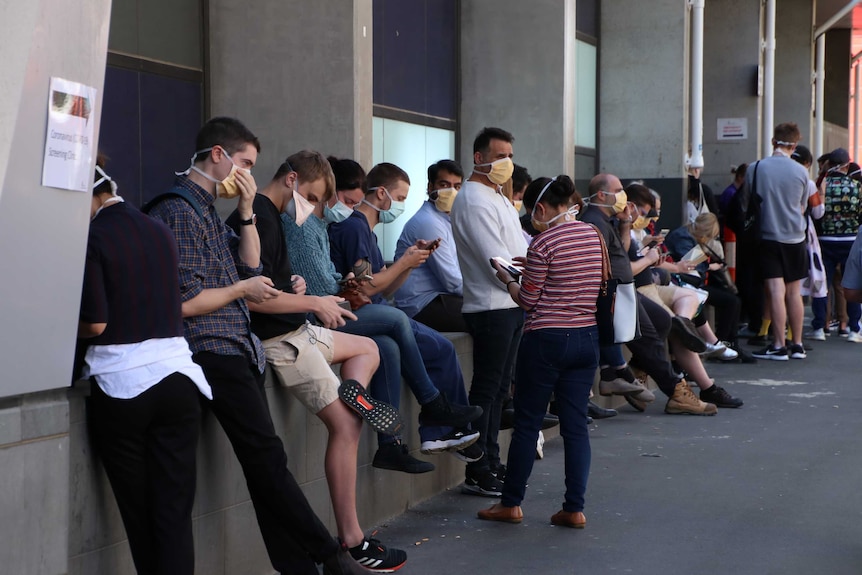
x=562 y=276
x=209 y=258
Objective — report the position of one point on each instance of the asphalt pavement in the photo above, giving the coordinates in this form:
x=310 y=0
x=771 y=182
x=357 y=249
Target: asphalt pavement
x=770 y=488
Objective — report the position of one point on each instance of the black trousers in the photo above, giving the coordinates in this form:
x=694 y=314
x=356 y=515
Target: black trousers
x=443 y=313
x=496 y=334
x=296 y=540
x=749 y=282
x=147 y=445
x=727 y=306
x=648 y=351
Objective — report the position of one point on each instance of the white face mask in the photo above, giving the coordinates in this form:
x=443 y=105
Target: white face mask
x=298 y=208
x=337 y=213
x=226 y=188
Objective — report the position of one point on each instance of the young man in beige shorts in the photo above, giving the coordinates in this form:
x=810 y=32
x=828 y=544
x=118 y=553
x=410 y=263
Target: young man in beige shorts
x=300 y=353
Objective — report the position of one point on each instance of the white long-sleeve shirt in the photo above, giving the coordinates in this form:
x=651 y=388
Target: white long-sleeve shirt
x=485 y=224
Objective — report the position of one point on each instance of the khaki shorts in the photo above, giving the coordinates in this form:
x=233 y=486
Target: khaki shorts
x=662 y=295
x=301 y=361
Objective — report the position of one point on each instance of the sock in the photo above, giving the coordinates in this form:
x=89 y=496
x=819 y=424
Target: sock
x=626 y=374
x=608 y=374
x=764 y=327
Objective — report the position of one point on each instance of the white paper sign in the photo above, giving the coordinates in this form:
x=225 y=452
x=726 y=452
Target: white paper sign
x=732 y=128
x=69 y=142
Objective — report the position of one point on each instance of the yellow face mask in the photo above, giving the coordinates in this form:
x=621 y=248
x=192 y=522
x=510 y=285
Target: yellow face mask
x=501 y=170
x=445 y=199
x=227 y=188
x=518 y=204
x=640 y=223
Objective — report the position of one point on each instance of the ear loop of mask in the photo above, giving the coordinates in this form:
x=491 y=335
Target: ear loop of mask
x=105 y=178
x=539 y=199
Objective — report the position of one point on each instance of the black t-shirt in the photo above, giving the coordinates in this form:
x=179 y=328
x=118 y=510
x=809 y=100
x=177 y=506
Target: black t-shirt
x=276 y=266
x=621 y=268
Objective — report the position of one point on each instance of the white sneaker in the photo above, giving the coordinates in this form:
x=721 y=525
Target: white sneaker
x=540 y=444
x=714 y=349
x=817 y=335
x=854 y=337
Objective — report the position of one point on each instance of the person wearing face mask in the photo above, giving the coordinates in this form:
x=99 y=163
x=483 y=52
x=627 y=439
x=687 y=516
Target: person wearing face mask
x=349 y=190
x=559 y=350
x=485 y=225
x=432 y=294
x=212 y=259
x=300 y=353
x=436 y=379
x=144 y=410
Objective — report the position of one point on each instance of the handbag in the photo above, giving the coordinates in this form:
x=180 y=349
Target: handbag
x=616 y=306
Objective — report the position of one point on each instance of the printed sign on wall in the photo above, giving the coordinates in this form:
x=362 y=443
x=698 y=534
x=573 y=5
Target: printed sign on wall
x=732 y=128
x=69 y=142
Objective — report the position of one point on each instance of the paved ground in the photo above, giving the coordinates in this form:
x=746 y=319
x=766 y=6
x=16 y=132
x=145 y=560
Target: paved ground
x=771 y=488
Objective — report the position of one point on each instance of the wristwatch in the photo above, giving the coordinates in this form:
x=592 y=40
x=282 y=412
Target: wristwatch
x=249 y=222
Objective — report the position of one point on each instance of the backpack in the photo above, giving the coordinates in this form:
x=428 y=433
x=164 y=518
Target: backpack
x=174 y=192
x=743 y=210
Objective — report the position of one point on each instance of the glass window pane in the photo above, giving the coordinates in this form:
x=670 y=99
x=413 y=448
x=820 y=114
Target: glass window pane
x=585 y=104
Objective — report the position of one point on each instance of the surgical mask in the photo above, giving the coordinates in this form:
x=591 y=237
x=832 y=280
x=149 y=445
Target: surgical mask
x=501 y=170
x=444 y=198
x=298 y=208
x=337 y=213
x=518 y=205
x=391 y=214
x=541 y=226
x=640 y=223
x=226 y=188
x=620 y=201
x=105 y=178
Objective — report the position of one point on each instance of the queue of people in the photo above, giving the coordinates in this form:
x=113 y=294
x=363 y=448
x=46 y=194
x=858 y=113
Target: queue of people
x=294 y=279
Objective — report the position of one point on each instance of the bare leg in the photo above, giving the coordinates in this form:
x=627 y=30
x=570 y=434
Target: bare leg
x=795 y=309
x=706 y=333
x=691 y=363
x=340 y=465
x=357 y=355
x=776 y=293
x=685 y=303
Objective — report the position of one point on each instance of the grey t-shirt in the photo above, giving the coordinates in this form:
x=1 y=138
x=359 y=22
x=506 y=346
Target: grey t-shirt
x=853 y=268
x=783 y=185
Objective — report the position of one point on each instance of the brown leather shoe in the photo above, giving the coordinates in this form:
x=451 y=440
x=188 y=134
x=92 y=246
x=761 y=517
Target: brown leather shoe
x=499 y=512
x=575 y=519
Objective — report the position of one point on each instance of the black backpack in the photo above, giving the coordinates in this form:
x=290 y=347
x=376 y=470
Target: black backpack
x=178 y=193
x=743 y=210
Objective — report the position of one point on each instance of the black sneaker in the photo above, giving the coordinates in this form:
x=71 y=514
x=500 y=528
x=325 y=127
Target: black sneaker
x=454 y=440
x=759 y=340
x=500 y=471
x=486 y=484
x=382 y=417
x=374 y=556
x=342 y=563
x=796 y=351
x=440 y=412
x=685 y=329
x=719 y=397
x=469 y=454
x=396 y=457
x=770 y=352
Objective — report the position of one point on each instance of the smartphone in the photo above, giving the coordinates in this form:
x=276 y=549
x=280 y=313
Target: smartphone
x=344 y=305
x=650 y=245
x=434 y=245
x=664 y=232
x=513 y=271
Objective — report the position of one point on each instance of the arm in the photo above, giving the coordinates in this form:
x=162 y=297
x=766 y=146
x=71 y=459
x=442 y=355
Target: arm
x=651 y=256
x=88 y=330
x=326 y=308
x=254 y=289
x=389 y=279
x=246 y=249
x=93 y=318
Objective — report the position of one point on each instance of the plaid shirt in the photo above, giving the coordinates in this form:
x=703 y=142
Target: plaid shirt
x=209 y=258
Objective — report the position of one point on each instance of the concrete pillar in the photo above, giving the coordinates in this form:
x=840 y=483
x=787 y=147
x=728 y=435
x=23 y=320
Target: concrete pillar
x=794 y=63
x=643 y=96
x=517 y=73
x=298 y=74
x=43 y=230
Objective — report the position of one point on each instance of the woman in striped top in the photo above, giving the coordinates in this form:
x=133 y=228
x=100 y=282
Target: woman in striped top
x=559 y=349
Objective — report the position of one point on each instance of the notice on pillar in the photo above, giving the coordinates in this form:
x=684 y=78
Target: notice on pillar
x=69 y=142
x=732 y=129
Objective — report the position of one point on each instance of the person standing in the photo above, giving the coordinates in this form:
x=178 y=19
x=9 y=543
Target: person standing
x=559 y=351
x=485 y=225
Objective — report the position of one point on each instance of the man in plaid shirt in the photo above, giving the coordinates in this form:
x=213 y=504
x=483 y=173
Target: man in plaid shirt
x=218 y=271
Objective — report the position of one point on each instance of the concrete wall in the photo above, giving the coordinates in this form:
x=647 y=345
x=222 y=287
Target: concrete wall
x=731 y=57
x=297 y=73
x=794 y=63
x=43 y=230
x=517 y=73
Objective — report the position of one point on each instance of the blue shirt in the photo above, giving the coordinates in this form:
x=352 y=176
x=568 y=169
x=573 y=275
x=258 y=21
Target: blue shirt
x=352 y=240
x=852 y=278
x=440 y=274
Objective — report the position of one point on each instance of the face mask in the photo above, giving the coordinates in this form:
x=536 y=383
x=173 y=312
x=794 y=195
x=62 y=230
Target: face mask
x=444 y=199
x=389 y=215
x=569 y=215
x=337 y=213
x=641 y=223
x=226 y=188
x=518 y=205
x=620 y=201
x=501 y=170
x=298 y=208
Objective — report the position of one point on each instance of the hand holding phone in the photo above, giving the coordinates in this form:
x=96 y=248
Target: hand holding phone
x=506 y=266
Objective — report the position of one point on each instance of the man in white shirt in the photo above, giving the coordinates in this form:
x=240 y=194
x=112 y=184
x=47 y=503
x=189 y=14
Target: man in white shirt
x=485 y=225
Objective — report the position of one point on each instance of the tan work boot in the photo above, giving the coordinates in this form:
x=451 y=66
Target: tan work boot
x=685 y=401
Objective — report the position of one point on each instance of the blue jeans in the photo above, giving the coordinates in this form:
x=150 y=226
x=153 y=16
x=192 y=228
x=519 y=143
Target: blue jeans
x=413 y=350
x=495 y=342
x=562 y=361
x=834 y=254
